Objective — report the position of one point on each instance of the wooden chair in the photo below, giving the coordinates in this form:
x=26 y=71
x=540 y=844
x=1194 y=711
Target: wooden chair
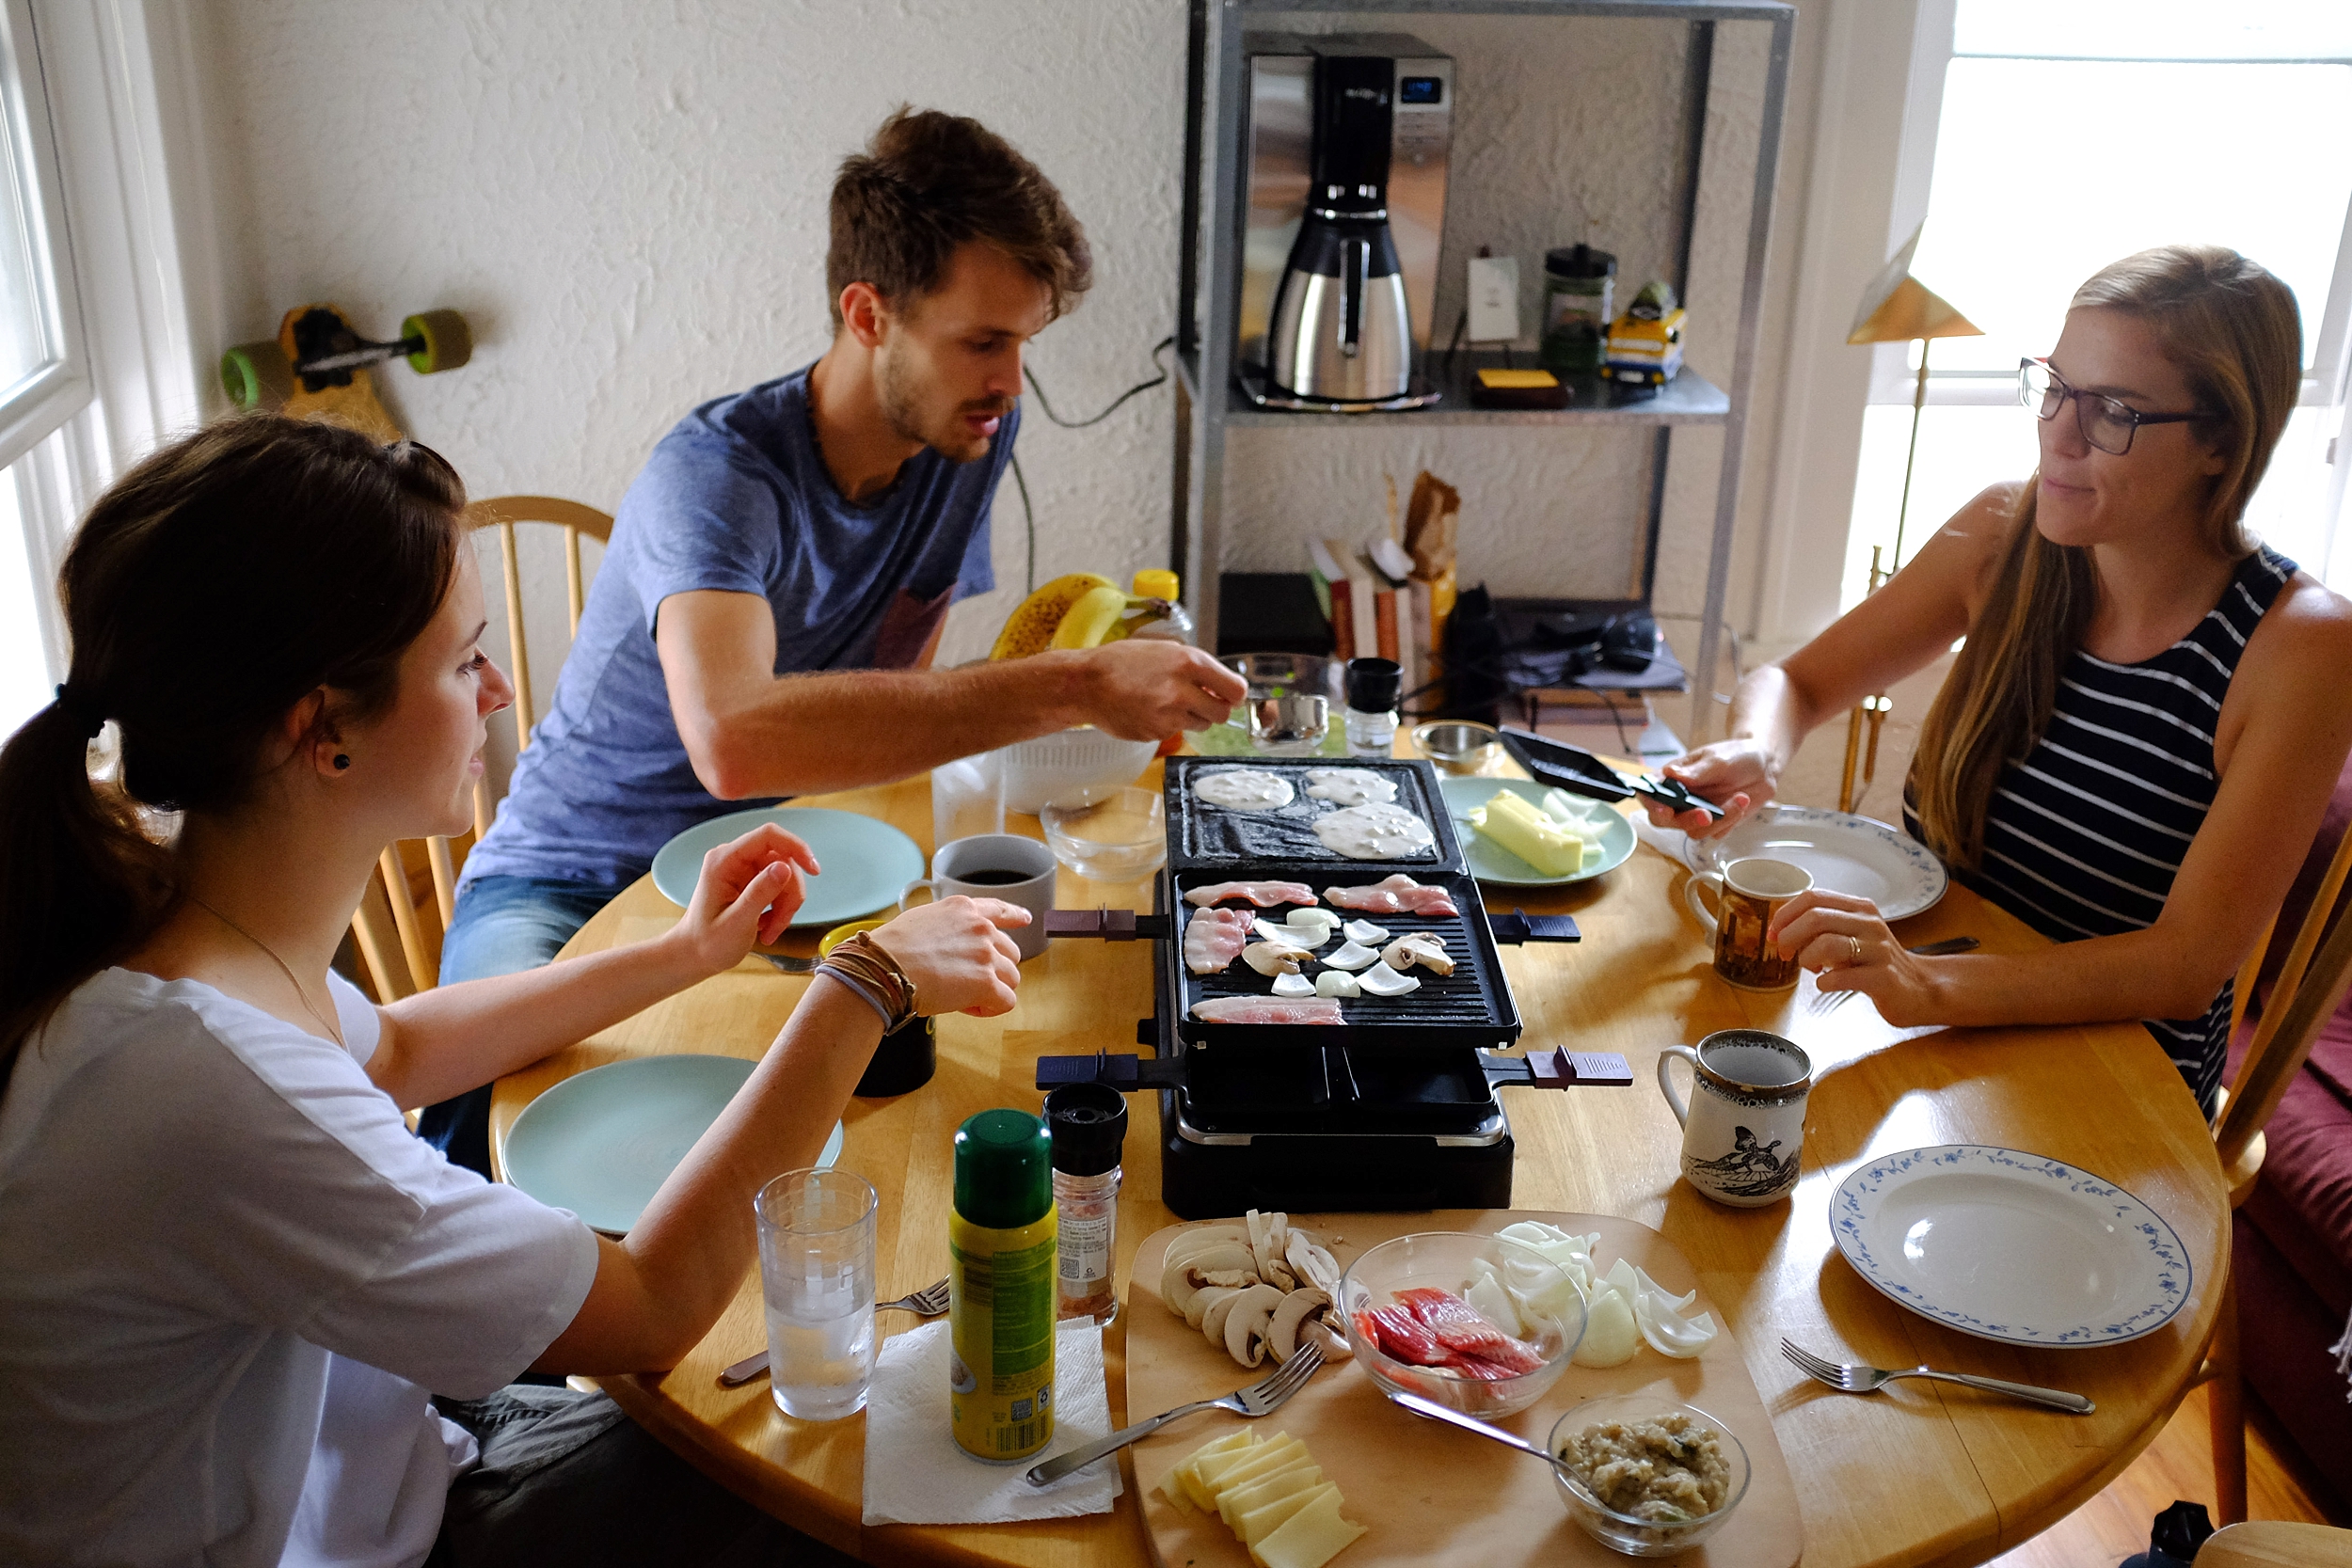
x=2310 y=987
x=401 y=953
x=2277 y=1544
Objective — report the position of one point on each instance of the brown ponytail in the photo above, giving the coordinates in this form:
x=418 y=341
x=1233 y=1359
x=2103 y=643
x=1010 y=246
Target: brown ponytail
x=2232 y=329
x=211 y=588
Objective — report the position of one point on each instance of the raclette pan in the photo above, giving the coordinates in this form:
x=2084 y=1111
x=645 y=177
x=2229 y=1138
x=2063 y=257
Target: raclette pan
x=1200 y=834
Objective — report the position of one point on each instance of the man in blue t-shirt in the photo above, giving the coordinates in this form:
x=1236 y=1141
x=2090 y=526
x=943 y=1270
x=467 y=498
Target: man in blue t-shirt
x=764 y=620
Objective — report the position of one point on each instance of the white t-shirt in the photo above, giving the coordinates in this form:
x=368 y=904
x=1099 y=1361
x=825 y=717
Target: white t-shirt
x=229 y=1276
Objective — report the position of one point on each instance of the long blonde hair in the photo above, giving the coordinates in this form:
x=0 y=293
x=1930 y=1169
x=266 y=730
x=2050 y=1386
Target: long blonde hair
x=2233 y=330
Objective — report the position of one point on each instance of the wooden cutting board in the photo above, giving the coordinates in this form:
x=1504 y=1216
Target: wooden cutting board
x=1428 y=1493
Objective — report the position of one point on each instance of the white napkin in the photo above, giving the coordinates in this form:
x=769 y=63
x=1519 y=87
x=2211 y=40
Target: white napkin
x=915 y=1473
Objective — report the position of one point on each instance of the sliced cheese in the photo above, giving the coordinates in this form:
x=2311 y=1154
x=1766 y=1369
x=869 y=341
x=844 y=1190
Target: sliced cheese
x=1257 y=1463
x=1259 y=1522
x=1309 y=1538
x=1176 y=1488
x=1234 y=1501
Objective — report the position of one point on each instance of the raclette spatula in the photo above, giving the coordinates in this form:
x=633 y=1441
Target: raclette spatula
x=1579 y=772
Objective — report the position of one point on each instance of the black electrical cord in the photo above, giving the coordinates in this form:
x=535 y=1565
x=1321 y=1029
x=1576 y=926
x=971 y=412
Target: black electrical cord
x=1021 y=483
x=1157 y=349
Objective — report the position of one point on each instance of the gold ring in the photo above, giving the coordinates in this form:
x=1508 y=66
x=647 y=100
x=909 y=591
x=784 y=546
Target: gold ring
x=1857 y=948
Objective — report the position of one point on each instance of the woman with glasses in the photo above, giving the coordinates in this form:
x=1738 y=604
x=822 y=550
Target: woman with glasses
x=231 y=1283
x=2141 y=734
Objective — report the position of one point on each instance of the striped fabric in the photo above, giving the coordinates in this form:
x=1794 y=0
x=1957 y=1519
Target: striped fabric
x=2085 y=835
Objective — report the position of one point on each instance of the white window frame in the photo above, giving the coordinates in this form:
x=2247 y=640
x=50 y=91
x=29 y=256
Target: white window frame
x=36 y=407
x=2327 y=380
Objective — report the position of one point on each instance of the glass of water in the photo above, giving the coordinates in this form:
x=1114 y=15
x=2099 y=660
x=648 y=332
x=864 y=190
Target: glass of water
x=817 y=1273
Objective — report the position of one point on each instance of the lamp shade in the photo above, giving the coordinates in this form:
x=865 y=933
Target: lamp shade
x=1897 y=307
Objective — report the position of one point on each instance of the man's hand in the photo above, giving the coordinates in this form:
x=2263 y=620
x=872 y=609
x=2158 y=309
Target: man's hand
x=1149 y=688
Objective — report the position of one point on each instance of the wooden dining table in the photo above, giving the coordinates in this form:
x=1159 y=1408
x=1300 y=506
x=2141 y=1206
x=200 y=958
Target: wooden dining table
x=1921 y=1473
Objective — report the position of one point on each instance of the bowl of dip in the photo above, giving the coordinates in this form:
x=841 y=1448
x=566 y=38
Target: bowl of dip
x=1646 y=1476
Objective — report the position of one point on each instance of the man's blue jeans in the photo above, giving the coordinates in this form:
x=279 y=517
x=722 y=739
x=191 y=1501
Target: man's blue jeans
x=503 y=925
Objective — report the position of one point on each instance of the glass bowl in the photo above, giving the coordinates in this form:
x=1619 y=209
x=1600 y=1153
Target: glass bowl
x=1446 y=1259
x=1630 y=1533
x=1119 y=837
x=1457 y=746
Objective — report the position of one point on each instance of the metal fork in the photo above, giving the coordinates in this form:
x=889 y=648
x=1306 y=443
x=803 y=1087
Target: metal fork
x=791 y=965
x=1261 y=1398
x=928 y=1302
x=1851 y=1379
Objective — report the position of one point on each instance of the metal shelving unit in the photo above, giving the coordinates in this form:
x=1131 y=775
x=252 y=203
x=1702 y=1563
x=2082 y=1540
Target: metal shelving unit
x=1208 y=403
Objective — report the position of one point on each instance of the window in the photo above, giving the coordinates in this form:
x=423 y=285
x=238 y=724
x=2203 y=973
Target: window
x=2074 y=133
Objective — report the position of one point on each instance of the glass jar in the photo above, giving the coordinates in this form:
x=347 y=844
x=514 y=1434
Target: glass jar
x=1580 y=289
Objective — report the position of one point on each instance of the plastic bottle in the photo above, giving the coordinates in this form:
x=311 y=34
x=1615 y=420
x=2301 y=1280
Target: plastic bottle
x=1089 y=1127
x=1001 y=1262
x=1164 y=617
x=1372 y=686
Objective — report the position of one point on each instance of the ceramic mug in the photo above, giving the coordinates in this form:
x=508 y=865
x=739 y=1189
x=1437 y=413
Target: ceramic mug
x=1748 y=893
x=995 y=865
x=1745 y=1120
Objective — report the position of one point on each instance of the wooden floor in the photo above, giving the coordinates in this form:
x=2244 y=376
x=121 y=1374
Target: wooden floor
x=2178 y=1465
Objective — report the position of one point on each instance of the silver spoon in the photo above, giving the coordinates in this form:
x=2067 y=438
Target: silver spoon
x=1437 y=1411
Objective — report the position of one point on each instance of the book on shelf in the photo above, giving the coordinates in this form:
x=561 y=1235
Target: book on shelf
x=1363 y=640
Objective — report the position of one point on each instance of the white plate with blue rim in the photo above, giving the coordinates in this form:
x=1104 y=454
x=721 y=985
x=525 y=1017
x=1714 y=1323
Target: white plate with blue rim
x=1858 y=856
x=601 y=1142
x=2010 y=1246
x=866 y=860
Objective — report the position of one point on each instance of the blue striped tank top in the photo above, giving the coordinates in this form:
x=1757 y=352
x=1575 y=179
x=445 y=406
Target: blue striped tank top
x=2085 y=835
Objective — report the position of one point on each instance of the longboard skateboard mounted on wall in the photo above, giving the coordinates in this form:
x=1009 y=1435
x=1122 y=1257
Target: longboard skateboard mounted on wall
x=316 y=367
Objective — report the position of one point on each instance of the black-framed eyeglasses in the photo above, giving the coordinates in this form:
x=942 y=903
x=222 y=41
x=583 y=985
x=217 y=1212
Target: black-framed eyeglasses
x=2107 y=425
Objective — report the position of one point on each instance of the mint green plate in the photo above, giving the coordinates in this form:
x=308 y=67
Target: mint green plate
x=1491 y=862
x=602 y=1142
x=867 y=862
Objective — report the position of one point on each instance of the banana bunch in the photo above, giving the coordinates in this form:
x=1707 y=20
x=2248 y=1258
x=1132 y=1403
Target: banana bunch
x=1079 y=610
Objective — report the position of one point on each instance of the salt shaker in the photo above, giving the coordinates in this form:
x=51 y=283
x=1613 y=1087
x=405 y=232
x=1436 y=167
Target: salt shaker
x=1089 y=1123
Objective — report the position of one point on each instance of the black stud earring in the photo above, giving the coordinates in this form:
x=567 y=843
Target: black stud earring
x=341 y=761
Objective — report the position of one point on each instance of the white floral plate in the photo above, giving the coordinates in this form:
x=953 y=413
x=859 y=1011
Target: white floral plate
x=1858 y=856
x=2010 y=1246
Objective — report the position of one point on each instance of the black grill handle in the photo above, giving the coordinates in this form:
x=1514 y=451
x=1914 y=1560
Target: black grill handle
x=1122 y=1072
x=1108 y=924
x=1559 y=1068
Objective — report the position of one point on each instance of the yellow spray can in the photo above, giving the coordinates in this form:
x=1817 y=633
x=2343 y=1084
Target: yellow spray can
x=1001 y=1246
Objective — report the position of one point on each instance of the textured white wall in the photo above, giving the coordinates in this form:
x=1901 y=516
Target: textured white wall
x=628 y=202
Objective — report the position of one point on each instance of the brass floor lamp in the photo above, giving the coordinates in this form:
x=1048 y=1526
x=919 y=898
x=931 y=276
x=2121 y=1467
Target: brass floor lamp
x=1896 y=308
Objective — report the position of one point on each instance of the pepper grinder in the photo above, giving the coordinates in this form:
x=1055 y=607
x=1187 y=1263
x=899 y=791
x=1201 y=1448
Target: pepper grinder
x=1372 y=686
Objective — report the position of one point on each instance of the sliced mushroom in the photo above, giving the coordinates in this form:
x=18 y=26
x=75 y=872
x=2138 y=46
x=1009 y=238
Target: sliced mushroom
x=1275 y=957
x=1246 y=1322
x=1212 y=1321
x=1273 y=1266
x=1207 y=1300
x=1418 y=947
x=1182 y=1281
x=1202 y=1237
x=1311 y=1263
x=1231 y=1279
x=1289 y=1318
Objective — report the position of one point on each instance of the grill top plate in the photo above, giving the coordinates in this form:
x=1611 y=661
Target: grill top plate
x=1471 y=1007
x=1200 y=834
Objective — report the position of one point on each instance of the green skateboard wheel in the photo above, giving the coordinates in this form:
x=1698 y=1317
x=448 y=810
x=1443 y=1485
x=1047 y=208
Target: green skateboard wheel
x=257 y=376
x=448 y=340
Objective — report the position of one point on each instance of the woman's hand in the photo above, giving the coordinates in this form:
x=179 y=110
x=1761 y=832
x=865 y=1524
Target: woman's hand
x=1737 y=775
x=748 y=892
x=1842 y=939
x=957 y=954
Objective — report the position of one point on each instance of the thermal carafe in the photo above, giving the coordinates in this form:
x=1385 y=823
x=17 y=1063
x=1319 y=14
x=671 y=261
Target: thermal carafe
x=1341 y=329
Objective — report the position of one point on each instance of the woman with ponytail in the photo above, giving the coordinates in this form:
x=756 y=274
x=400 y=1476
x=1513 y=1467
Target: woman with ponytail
x=231 y=1281
x=2141 y=735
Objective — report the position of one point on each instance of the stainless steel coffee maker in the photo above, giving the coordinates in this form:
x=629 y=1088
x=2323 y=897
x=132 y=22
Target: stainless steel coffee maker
x=1346 y=143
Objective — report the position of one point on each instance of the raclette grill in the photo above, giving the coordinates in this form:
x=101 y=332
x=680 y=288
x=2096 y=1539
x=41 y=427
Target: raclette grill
x=1395 y=1108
